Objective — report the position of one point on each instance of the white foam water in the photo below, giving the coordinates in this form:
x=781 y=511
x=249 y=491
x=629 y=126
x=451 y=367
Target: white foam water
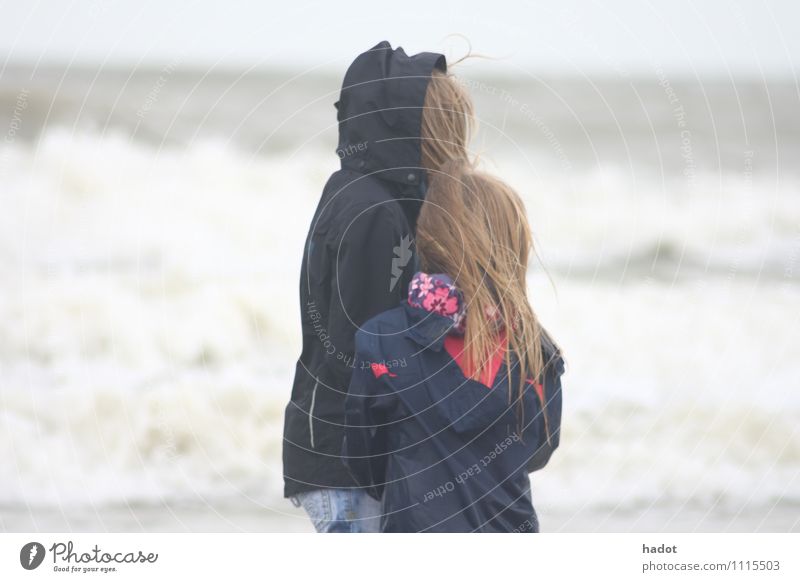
x=151 y=327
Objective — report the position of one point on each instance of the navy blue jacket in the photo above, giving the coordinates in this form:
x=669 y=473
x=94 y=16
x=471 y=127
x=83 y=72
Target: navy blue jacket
x=443 y=451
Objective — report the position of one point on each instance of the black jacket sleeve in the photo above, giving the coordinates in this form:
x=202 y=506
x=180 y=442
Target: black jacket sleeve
x=366 y=408
x=371 y=258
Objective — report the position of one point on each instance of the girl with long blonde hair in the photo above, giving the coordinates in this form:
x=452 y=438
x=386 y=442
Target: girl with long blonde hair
x=456 y=395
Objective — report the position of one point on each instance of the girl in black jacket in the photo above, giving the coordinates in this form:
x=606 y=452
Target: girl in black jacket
x=399 y=117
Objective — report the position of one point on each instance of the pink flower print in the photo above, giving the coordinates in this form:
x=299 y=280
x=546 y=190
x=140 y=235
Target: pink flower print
x=441 y=301
x=425 y=285
x=421 y=283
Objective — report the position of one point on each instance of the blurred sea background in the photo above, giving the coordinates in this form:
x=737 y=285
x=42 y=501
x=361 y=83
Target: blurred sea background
x=159 y=167
x=150 y=245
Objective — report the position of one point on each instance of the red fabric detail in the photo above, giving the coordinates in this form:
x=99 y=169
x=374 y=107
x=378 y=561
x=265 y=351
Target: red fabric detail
x=454 y=344
x=539 y=390
x=381 y=369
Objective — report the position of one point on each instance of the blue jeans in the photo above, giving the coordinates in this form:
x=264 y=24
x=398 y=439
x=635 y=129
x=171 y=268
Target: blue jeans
x=341 y=510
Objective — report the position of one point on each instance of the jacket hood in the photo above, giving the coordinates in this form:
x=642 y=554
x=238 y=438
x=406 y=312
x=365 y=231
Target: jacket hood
x=380 y=114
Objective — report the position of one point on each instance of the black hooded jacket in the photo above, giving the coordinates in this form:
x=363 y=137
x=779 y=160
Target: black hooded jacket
x=359 y=255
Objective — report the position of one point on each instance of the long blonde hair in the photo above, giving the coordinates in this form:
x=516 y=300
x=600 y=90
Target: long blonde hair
x=474 y=228
x=448 y=121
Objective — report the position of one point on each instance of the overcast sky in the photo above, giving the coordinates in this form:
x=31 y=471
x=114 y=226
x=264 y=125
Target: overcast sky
x=567 y=36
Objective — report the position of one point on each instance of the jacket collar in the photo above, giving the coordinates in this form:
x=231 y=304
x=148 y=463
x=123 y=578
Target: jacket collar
x=435 y=308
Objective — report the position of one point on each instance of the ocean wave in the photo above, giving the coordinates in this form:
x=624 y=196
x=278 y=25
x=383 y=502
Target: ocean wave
x=151 y=326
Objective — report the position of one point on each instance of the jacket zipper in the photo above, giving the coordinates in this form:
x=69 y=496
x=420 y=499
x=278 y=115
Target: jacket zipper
x=311 y=412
